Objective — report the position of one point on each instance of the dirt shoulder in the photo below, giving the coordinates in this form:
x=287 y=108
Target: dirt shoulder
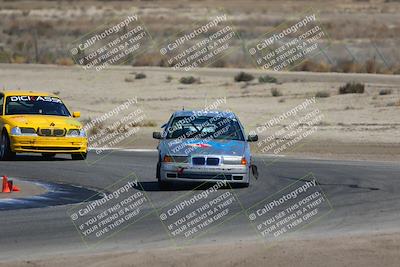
x=362 y=250
x=353 y=126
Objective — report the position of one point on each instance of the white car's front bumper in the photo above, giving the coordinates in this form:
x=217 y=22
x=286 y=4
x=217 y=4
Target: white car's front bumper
x=190 y=173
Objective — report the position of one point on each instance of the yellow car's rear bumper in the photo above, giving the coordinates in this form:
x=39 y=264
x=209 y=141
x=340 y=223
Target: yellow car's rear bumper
x=40 y=144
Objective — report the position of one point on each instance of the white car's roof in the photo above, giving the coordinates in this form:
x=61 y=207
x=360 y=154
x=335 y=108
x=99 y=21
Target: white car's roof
x=211 y=113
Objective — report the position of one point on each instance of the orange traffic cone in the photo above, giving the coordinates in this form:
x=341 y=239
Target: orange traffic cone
x=6 y=188
x=10 y=185
x=16 y=188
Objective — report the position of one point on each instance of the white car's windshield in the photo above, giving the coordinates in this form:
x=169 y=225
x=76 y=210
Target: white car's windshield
x=220 y=128
x=31 y=105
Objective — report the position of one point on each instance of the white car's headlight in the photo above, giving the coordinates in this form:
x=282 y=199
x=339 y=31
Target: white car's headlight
x=76 y=133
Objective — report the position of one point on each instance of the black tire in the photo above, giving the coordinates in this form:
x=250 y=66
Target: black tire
x=81 y=156
x=163 y=185
x=254 y=171
x=158 y=170
x=5 y=148
x=48 y=155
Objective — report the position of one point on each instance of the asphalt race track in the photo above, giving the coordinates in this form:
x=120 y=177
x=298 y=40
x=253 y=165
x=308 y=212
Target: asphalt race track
x=364 y=197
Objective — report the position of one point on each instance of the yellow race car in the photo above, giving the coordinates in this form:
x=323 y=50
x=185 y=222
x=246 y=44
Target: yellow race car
x=33 y=122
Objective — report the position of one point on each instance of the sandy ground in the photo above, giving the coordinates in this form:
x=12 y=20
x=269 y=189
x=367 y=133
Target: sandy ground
x=372 y=250
x=354 y=126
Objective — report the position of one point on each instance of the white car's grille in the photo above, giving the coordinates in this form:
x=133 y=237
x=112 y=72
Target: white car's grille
x=210 y=161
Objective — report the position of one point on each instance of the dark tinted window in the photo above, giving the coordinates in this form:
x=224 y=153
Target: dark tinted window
x=1 y=104
x=43 y=105
x=218 y=128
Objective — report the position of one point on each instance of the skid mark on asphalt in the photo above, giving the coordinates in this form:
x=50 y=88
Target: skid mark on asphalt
x=334 y=184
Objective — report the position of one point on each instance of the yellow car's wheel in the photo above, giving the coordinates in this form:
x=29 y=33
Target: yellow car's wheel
x=5 y=148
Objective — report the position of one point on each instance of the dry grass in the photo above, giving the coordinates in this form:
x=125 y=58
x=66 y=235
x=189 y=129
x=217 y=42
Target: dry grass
x=144 y=124
x=322 y=94
x=276 y=92
x=169 y=78
x=393 y=104
x=267 y=79
x=189 y=80
x=140 y=75
x=385 y=92
x=129 y=79
x=352 y=88
x=243 y=77
x=310 y=65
